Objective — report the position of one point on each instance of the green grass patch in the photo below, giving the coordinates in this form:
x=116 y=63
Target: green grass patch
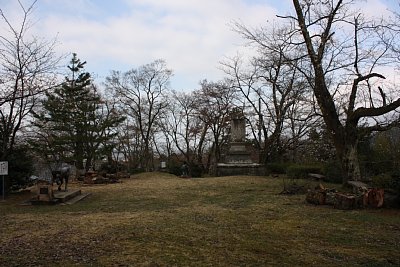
x=163 y=220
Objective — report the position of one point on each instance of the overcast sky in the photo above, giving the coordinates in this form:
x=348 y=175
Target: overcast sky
x=193 y=36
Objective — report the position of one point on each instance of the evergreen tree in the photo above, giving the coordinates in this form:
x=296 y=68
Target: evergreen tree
x=75 y=123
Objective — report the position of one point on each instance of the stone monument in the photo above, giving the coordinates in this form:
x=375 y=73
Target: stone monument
x=238 y=159
x=44 y=191
x=238 y=153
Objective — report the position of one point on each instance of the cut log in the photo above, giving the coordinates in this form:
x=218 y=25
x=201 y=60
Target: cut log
x=321 y=195
x=317 y=197
x=330 y=198
x=375 y=197
x=348 y=202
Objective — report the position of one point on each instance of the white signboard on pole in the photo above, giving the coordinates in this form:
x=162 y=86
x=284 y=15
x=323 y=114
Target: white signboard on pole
x=3 y=167
x=3 y=171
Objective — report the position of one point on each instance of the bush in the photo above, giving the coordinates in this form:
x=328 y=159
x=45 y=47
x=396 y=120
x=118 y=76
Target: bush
x=175 y=169
x=112 y=167
x=196 y=170
x=302 y=171
x=277 y=168
x=383 y=180
x=395 y=183
x=20 y=168
x=388 y=181
x=333 y=172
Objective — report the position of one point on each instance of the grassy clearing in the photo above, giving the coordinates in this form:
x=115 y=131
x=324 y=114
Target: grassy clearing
x=161 y=220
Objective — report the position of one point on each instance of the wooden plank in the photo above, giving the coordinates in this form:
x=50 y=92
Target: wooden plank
x=316 y=176
x=77 y=198
x=358 y=186
x=63 y=196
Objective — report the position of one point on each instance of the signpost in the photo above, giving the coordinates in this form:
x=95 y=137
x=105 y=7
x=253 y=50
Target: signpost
x=3 y=171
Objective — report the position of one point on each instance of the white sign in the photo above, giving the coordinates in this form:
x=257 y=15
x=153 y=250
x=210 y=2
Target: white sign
x=3 y=167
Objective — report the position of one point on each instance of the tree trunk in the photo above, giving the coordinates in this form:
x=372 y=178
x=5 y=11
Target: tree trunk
x=199 y=155
x=147 y=158
x=351 y=164
x=89 y=163
x=347 y=153
x=78 y=157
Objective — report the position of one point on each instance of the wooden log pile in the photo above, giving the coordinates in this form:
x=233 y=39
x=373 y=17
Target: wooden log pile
x=316 y=196
x=362 y=197
x=348 y=201
x=374 y=198
x=93 y=177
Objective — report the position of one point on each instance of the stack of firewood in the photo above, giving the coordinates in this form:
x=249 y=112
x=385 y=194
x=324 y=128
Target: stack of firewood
x=93 y=177
x=321 y=195
x=362 y=197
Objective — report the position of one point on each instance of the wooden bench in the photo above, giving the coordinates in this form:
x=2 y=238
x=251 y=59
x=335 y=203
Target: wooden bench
x=316 y=176
x=358 y=186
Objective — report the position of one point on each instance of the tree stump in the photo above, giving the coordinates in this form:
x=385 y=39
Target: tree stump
x=330 y=198
x=90 y=177
x=375 y=198
x=317 y=196
x=348 y=202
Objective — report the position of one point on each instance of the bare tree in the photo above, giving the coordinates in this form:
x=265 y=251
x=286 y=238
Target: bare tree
x=142 y=92
x=27 y=69
x=271 y=86
x=215 y=100
x=128 y=145
x=301 y=119
x=340 y=43
x=185 y=128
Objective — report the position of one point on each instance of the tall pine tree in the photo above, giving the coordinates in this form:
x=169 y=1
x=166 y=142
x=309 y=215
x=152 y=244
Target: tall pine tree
x=75 y=124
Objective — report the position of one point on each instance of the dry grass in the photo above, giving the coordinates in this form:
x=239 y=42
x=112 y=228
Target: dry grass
x=161 y=220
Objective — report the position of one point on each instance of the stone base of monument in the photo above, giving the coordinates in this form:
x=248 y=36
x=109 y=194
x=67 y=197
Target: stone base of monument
x=238 y=168
x=45 y=192
x=238 y=161
x=58 y=197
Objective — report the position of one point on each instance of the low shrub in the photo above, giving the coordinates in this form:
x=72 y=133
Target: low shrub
x=395 y=184
x=20 y=168
x=390 y=180
x=112 y=167
x=302 y=171
x=383 y=180
x=174 y=167
x=196 y=171
x=333 y=172
x=277 y=168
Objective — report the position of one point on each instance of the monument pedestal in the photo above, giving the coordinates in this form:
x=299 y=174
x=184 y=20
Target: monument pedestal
x=45 y=193
x=229 y=169
x=238 y=153
x=238 y=162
